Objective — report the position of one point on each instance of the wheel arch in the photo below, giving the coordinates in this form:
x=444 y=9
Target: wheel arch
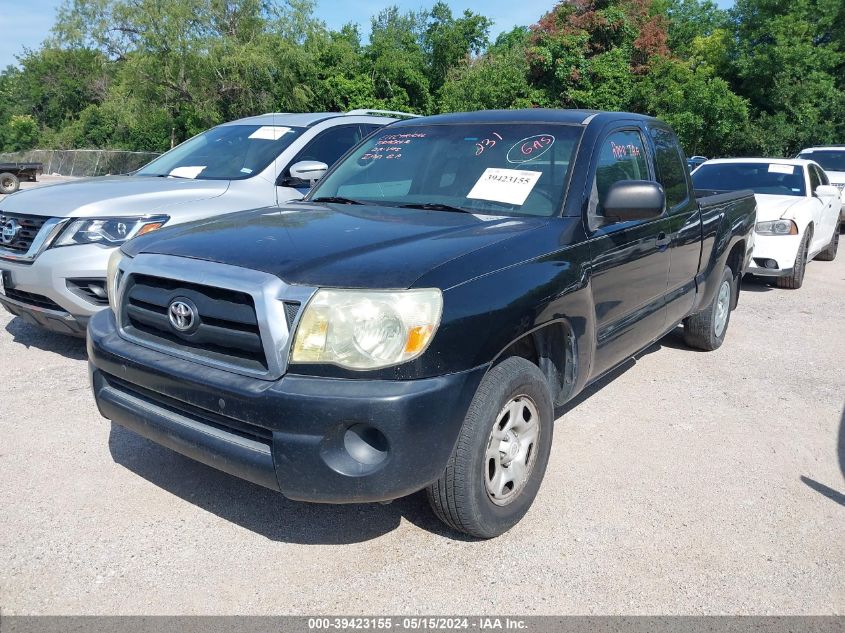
x=553 y=347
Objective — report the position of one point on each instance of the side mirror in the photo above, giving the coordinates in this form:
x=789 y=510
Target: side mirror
x=308 y=170
x=634 y=200
x=826 y=191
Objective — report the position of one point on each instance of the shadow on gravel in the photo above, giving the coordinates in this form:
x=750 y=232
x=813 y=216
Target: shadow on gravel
x=828 y=492
x=30 y=335
x=757 y=284
x=263 y=511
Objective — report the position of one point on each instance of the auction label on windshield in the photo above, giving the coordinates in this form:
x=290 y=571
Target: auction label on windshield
x=510 y=186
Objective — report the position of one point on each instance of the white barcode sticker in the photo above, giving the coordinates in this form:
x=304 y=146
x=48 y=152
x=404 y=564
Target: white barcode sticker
x=510 y=186
x=777 y=168
x=270 y=132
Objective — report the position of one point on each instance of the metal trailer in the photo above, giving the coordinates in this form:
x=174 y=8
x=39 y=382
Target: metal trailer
x=11 y=175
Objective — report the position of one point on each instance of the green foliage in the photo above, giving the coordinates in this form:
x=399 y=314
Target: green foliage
x=19 y=132
x=766 y=77
x=709 y=119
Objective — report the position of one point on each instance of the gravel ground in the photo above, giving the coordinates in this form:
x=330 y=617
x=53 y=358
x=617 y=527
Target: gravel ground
x=690 y=483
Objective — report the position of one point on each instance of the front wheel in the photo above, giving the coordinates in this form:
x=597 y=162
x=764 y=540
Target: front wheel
x=500 y=458
x=829 y=253
x=706 y=330
x=795 y=279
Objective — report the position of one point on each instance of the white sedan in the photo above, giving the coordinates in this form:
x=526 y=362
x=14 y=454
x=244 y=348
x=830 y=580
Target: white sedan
x=797 y=211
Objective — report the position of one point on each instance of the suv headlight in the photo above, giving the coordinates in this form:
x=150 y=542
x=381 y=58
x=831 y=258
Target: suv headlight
x=108 y=231
x=777 y=227
x=367 y=329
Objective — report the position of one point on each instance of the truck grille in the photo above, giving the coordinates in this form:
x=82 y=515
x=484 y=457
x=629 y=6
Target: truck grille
x=224 y=330
x=25 y=228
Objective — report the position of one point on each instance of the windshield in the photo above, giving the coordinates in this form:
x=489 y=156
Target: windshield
x=497 y=169
x=830 y=160
x=778 y=179
x=227 y=152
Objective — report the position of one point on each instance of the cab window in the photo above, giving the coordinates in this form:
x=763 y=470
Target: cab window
x=670 y=167
x=622 y=156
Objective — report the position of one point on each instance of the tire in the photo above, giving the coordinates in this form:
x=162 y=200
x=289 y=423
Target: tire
x=9 y=183
x=706 y=330
x=795 y=280
x=829 y=253
x=460 y=498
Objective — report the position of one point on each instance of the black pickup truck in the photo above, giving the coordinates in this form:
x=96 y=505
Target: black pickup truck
x=414 y=321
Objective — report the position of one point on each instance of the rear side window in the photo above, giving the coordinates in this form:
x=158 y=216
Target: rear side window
x=670 y=166
x=822 y=176
x=815 y=181
x=621 y=157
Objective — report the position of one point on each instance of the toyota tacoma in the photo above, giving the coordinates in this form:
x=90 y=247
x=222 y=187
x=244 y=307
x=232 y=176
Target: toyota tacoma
x=415 y=320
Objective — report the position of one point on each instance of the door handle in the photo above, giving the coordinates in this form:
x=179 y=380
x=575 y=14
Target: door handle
x=663 y=240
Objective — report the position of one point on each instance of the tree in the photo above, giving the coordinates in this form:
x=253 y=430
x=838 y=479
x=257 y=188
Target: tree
x=498 y=80
x=448 y=41
x=787 y=57
x=20 y=132
x=588 y=53
x=708 y=118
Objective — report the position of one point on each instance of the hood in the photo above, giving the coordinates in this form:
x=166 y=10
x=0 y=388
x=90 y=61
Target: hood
x=112 y=196
x=342 y=246
x=836 y=177
x=775 y=207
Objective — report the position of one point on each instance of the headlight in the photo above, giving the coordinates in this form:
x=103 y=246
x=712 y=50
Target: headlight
x=362 y=329
x=777 y=227
x=108 y=231
x=113 y=278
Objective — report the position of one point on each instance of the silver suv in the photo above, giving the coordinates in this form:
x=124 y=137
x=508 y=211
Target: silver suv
x=55 y=241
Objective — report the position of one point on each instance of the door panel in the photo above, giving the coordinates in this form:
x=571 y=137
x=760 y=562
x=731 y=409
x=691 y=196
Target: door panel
x=684 y=224
x=630 y=260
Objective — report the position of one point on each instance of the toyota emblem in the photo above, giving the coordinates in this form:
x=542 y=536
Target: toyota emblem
x=183 y=315
x=10 y=231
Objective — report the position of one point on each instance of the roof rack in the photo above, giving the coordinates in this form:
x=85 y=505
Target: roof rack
x=365 y=112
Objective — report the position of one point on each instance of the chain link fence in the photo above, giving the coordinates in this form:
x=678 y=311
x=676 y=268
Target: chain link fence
x=82 y=162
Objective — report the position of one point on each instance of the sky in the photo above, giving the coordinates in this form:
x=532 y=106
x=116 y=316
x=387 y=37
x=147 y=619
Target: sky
x=27 y=24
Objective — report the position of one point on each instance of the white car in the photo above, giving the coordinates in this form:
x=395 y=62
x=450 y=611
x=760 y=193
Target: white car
x=832 y=160
x=797 y=211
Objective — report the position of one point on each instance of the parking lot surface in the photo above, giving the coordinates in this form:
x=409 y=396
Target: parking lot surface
x=690 y=483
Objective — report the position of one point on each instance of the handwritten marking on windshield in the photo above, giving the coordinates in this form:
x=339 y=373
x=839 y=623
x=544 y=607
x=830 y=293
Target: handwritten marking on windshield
x=485 y=143
x=530 y=148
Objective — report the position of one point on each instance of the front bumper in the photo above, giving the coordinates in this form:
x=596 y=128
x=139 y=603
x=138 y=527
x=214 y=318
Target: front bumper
x=312 y=439
x=782 y=249
x=47 y=278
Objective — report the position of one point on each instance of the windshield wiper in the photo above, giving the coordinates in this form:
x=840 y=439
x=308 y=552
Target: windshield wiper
x=434 y=206
x=336 y=199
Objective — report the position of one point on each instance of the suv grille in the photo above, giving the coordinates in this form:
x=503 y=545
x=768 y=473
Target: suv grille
x=29 y=225
x=225 y=329
x=30 y=298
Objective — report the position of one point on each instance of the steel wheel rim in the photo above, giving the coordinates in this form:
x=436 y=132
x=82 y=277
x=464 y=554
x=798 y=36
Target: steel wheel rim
x=511 y=450
x=723 y=306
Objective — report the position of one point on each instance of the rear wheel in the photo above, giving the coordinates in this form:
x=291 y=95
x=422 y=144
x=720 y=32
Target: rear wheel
x=829 y=253
x=499 y=461
x=9 y=183
x=706 y=330
x=795 y=280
